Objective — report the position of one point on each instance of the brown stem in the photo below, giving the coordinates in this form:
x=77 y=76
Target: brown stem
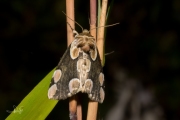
x=70 y=14
x=100 y=35
x=93 y=17
x=92 y=106
x=72 y=108
x=79 y=110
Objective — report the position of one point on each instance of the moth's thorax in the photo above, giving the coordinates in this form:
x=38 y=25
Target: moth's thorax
x=84 y=42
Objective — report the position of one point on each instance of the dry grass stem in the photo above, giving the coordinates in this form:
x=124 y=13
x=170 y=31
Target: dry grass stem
x=72 y=108
x=92 y=106
x=70 y=13
x=79 y=111
x=100 y=35
x=70 y=38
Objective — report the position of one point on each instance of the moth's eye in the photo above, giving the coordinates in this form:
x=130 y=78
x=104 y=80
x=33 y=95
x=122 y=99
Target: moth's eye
x=91 y=46
x=80 y=45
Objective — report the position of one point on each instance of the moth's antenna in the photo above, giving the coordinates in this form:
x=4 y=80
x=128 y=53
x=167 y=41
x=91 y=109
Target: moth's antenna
x=104 y=26
x=74 y=21
x=109 y=53
x=74 y=31
x=70 y=26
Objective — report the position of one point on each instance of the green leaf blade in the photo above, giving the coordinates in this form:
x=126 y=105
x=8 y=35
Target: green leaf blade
x=36 y=105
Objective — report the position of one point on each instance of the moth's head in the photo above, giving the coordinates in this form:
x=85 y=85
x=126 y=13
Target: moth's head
x=83 y=42
x=85 y=31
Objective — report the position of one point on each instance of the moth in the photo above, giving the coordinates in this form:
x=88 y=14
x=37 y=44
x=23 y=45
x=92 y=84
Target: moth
x=79 y=70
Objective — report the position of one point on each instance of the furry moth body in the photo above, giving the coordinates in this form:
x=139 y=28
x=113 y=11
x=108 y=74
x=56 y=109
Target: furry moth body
x=79 y=70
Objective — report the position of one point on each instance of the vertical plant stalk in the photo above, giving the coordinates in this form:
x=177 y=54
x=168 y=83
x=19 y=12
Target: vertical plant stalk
x=93 y=17
x=100 y=35
x=70 y=38
x=70 y=14
x=73 y=108
x=92 y=106
x=79 y=110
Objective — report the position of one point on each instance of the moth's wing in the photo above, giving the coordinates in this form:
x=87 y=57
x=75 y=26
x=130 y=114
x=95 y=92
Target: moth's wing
x=64 y=80
x=97 y=77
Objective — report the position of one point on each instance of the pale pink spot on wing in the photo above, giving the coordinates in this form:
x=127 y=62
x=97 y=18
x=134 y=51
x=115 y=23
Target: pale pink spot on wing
x=88 y=86
x=57 y=75
x=75 y=52
x=101 y=78
x=102 y=95
x=74 y=86
x=52 y=91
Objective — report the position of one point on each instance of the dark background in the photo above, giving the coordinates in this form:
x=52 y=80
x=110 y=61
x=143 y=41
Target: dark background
x=146 y=45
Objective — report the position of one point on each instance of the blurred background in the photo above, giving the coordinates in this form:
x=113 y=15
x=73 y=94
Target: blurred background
x=142 y=78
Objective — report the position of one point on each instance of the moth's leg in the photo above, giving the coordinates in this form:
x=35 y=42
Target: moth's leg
x=74 y=86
